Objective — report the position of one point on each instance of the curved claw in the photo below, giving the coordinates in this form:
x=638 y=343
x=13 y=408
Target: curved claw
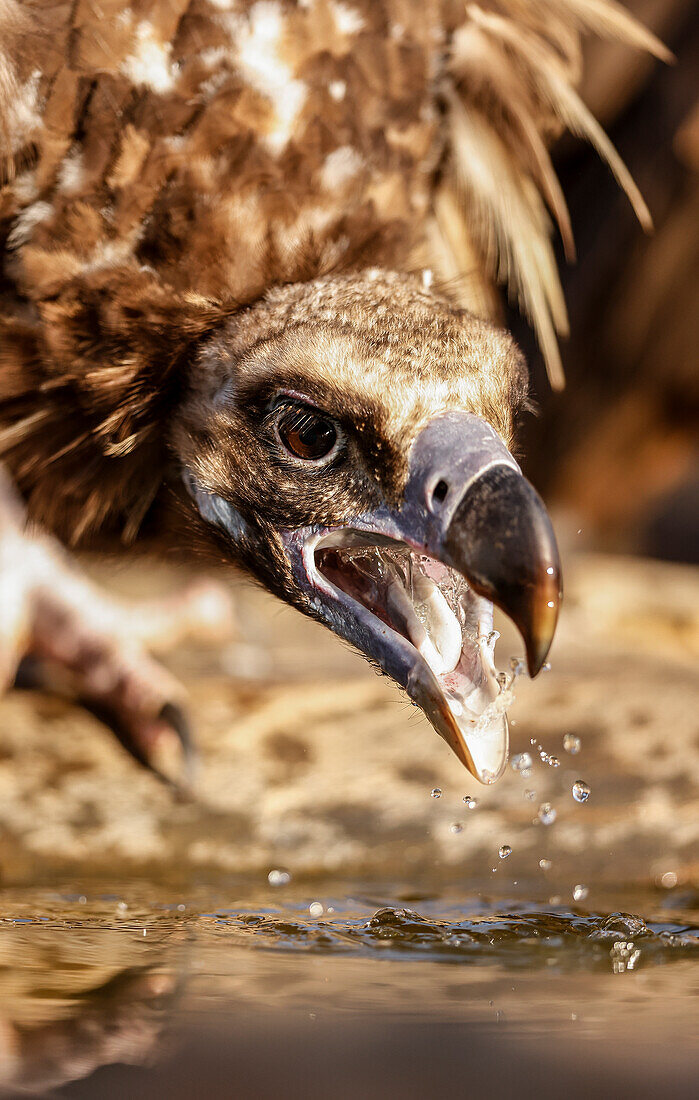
x=139 y=739
x=137 y=733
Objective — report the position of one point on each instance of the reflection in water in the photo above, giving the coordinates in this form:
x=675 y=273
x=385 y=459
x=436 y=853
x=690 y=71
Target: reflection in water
x=120 y=1021
x=91 y=982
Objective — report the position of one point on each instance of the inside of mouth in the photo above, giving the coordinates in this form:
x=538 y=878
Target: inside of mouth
x=450 y=627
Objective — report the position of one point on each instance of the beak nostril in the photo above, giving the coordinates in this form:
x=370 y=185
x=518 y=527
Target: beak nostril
x=439 y=493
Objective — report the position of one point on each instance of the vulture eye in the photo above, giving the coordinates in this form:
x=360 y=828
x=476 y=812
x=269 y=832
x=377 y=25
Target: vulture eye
x=307 y=434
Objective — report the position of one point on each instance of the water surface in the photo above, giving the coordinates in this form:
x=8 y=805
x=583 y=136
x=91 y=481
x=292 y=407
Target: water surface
x=246 y=990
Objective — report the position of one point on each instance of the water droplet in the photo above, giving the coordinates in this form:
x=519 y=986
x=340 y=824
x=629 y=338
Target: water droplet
x=571 y=743
x=580 y=892
x=436 y=792
x=316 y=909
x=181 y=907
x=550 y=570
x=581 y=791
x=122 y=906
x=521 y=762
x=278 y=878
x=144 y=932
x=504 y=851
x=456 y=827
x=668 y=880
x=543 y=756
x=502 y=679
x=546 y=667
x=553 y=762
x=530 y=795
x=82 y=900
x=547 y=814
x=470 y=802
x=545 y=864
x=532 y=740
x=518 y=666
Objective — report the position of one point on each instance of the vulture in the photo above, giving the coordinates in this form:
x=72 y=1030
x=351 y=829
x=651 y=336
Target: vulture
x=249 y=306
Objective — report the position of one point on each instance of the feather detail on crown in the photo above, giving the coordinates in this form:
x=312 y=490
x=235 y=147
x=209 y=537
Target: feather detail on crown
x=510 y=90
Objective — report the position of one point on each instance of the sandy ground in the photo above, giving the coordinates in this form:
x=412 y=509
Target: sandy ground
x=311 y=763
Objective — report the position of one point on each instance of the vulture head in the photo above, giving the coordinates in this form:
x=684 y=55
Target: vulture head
x=346 y=442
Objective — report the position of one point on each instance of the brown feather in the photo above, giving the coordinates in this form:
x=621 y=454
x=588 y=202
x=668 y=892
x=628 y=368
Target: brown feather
x=162 y=166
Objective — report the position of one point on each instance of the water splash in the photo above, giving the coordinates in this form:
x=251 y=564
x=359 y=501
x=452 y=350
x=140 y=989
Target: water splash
x=522 y=938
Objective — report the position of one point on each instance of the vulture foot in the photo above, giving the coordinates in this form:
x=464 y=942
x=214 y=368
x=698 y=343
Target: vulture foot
x=60 y=632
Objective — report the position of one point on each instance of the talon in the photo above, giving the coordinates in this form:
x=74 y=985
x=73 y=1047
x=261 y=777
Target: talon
x=145 y=742
x=176 y=717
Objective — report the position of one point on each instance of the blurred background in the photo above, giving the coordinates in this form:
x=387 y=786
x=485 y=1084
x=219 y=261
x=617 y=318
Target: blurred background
x=617 y=453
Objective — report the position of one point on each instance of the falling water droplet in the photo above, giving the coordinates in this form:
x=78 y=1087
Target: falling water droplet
x=571 y=743
x=470 y=802
x=553 y=762
x=456 y=827
x=316 y=909
x=436 y=792
x=278 y=878
x=530 y=795
x=581 y=791
x=545 y=864
x=580 y=892
x=518 y=666
x=504 y=851
x=547 y=814
x=526 y=773
x=521 y=761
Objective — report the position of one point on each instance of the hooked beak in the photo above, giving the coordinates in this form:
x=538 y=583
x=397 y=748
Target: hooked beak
x=413 y=588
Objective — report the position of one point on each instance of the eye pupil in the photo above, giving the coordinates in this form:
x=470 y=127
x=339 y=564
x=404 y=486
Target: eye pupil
x=307 y=434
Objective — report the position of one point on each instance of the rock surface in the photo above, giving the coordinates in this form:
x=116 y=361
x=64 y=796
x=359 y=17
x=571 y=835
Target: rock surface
x=311 y=763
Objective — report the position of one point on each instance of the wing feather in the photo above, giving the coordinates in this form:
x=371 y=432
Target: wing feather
x=514 y=65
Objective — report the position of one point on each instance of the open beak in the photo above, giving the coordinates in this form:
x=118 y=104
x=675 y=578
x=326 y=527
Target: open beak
x=413 y=588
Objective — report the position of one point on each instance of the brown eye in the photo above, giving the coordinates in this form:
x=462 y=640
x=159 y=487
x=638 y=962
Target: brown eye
x=307 y=434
